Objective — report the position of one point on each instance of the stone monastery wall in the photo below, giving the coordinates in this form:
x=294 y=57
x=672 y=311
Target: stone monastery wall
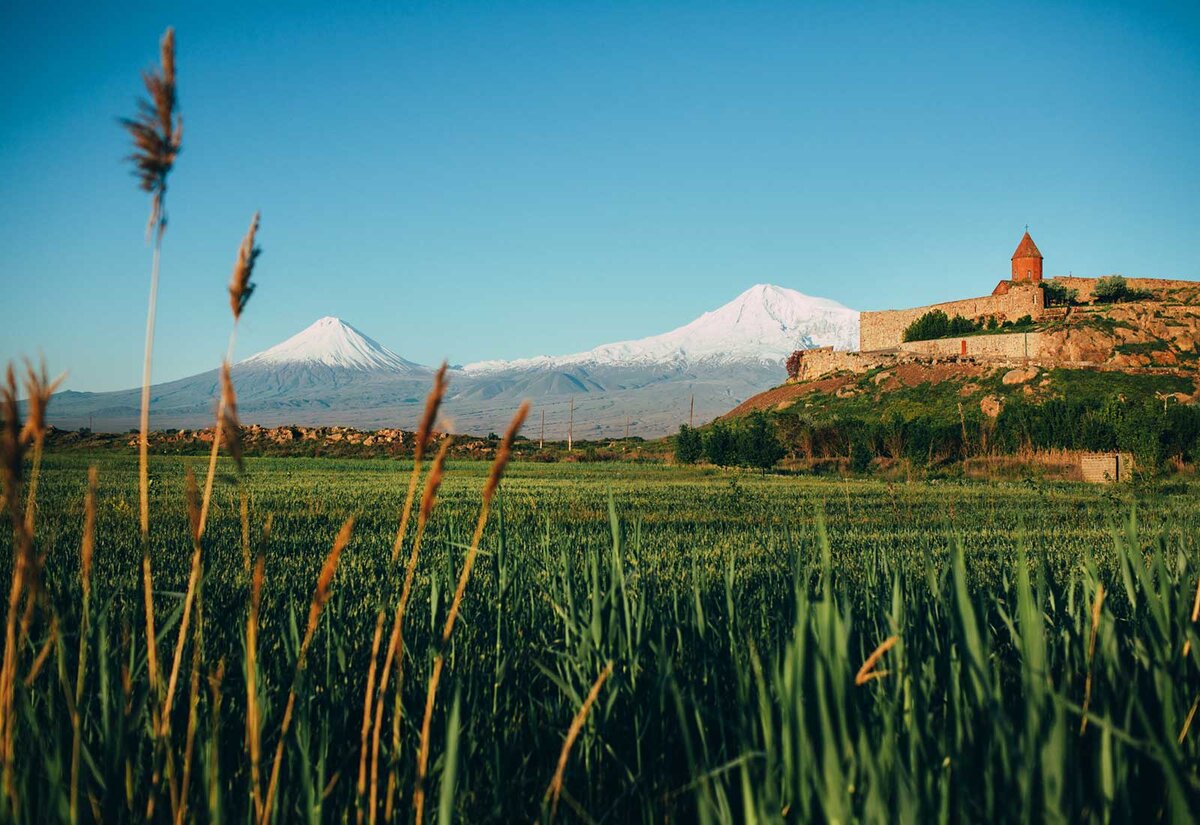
x=1008 y=345
x=883 y=330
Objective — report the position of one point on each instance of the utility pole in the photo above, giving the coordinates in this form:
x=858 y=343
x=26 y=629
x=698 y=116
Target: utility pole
x=571 y=428
x=542 y=438
x=692 y=411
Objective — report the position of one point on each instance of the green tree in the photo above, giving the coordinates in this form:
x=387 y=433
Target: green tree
x=860 y=455
x=1114 y=289
x=719 y=445
x=689 y=446
x=1057 y=295
x=757 y=443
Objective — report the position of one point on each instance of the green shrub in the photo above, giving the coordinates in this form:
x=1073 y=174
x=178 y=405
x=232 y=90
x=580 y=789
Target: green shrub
x=689 y=445
x=936 y=324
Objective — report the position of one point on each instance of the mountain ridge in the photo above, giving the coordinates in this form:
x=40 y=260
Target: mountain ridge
x=331 y=373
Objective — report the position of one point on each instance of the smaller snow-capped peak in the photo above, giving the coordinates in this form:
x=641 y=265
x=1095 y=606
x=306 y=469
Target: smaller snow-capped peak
x=764 y=324
x=333 y=343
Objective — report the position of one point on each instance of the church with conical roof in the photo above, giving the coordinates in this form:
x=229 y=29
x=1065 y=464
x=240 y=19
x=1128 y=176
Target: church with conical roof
x=1027 y=261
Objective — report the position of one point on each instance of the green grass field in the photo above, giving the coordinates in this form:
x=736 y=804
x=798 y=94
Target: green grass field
x=736 y=610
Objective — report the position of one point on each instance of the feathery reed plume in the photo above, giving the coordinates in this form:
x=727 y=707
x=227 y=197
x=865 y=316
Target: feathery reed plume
x=253 y=728
x=867 y=672
x=38 y=389
x=157 y=133
x=489 y=490
x=85 y=579
x=424 y=431
x=1087 y=683
x=556 y=784
x=319 y=600
x=396 y=641
x=240 y=290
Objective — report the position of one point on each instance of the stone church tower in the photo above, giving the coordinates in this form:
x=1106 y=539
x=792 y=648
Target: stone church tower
x=1027 y=261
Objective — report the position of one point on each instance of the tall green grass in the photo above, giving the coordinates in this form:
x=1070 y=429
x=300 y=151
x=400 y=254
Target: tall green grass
x=736 y=616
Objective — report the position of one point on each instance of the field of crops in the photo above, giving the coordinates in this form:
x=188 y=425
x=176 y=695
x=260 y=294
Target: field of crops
x=699 y=640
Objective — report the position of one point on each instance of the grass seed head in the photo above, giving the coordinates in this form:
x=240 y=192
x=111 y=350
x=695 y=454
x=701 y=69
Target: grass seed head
x=434 y=481
x=38 y=389
x=231 y=430
x=432 y=403
x=240 y=286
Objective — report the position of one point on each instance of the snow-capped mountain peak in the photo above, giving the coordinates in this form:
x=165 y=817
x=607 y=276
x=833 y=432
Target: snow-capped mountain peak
x=764 y=324
x=334 y=343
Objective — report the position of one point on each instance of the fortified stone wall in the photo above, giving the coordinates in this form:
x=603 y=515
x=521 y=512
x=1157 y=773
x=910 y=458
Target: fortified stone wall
x=1010 y=345
x=881 y=330
x=825 y=361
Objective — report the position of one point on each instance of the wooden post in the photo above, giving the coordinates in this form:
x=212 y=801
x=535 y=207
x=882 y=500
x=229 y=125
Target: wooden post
x=571 y=428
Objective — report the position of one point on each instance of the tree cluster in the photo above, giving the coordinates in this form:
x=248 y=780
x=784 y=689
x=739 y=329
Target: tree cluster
x=751 y=442
x=1152 y=431
x=937 y=324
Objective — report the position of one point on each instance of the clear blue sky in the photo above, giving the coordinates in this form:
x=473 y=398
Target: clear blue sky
x=483 y=180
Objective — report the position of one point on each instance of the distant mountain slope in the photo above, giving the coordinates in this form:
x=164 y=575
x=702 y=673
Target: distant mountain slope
x=764 y=324
x=331 y=373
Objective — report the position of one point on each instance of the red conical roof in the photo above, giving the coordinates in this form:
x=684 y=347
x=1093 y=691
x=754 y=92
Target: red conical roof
x=1027 y=248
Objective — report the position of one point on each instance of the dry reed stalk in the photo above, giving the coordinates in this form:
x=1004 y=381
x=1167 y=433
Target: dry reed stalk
x=253 y=731
x=1187 y=645
x=555 y=788
x=424 y=431
x=190 y=737
x=47 y=647
x=867 y=672
x=1187 y=723
x=240 y=290
x=245 y=513
x=489 y=491
x=395 y=646
x=361 y=787
x=152 y=672
x=157 y=133
x=1087 y=684
x=12 y=451
x=189 y=601
x=319 y=600
x=85 y=578
x=215 y=680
